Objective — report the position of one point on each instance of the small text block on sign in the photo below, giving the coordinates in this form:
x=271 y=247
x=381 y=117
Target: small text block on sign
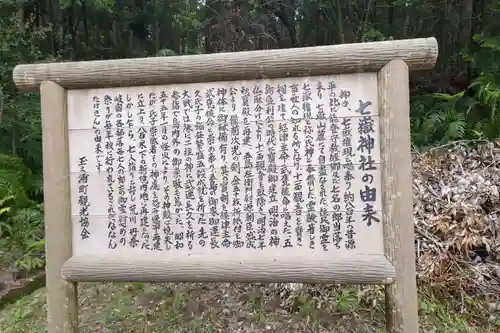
x=263 y=166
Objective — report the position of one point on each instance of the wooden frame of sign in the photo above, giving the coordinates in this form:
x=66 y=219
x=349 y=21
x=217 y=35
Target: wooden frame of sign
x=352 y=91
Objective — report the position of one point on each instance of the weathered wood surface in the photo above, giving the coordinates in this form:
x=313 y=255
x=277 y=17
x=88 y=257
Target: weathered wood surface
x=419 y=54
x=397 y=196
x=61 y=295
x=322 y=268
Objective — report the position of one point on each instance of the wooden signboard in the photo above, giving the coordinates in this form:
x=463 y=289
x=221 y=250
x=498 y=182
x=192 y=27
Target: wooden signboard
x=265 y=166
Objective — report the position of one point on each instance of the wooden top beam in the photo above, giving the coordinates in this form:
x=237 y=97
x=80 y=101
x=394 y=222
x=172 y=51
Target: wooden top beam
x=419 y=54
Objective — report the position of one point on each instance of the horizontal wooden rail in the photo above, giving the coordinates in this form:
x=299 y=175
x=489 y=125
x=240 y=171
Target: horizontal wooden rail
x=419 y=54
x=157 y=267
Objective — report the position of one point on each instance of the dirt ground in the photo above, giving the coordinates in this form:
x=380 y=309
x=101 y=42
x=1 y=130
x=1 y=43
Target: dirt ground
x=231 y=308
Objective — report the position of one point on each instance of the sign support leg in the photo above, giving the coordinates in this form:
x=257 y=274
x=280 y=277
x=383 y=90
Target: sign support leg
x=397 y=201
x=61 y=295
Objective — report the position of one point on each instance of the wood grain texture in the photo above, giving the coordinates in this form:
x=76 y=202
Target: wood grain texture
x=321 y=268
x=61 y=295
x=397 y=196
x=419 y=54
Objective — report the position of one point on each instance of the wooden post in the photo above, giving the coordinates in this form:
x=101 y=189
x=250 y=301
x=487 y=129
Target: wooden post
x=61 y=295
x=397 y=200
x=419 y=54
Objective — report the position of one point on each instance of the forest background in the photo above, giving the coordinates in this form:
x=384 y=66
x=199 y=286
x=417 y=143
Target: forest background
x=458 y=100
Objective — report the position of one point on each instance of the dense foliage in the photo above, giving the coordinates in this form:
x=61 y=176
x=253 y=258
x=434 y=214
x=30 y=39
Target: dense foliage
x=458 y=100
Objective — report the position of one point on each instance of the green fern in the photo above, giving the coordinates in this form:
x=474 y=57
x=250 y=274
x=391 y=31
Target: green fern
x=437 y=118
x=21 y=218
x=15 y=175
